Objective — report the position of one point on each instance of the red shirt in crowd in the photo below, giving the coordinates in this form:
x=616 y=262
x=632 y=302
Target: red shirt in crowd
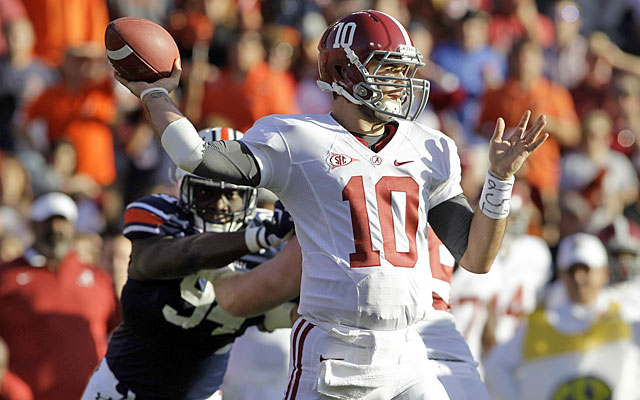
x=56 y=323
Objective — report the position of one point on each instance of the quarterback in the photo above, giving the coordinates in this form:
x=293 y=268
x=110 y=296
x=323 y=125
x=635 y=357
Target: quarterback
x=362 y=184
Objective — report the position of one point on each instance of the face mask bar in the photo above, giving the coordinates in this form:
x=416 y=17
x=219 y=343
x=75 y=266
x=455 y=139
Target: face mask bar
x=209 y=220
x=410 y=86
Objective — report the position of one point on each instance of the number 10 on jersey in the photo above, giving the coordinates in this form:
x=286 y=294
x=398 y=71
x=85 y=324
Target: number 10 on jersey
x=365 y=255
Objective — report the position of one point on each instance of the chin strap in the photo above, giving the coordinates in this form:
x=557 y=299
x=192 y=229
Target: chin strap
x=334 y=87
x=385 y=105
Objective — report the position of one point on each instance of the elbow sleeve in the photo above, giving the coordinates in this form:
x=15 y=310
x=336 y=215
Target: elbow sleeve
x=183 y=144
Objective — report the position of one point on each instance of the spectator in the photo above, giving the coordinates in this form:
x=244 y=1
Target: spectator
x=565 y=59
x=622 y=240
x=514 y=20
x=527 y=88
x=56 y=172
x=80 y=109
x=14 y=200
x=63 y=24
x=578 y=345
x=282 y=47
x=627 y=117
x=597 y=90
x=140 y=156
x=156 y=10
x=310 y=99
x=243 y=92
x=603 y=176
x=445 y=92
x=575 y=212
x=606 y=16
x=474 y=62
x=55 y=312
x=600 y=44
x=15 y=184
x=115 y=259
x=22 y=77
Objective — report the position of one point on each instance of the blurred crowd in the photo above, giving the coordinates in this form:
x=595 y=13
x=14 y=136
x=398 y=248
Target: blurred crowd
x=66 y=126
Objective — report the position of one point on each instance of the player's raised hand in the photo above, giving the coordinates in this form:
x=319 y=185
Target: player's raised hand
x=506 y=156
x=169 y=83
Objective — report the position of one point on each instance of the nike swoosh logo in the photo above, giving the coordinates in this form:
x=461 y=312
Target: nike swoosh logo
x=325 y=359
x=397 y=164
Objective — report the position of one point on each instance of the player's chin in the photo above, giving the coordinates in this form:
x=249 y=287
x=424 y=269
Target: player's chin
x=370 y=115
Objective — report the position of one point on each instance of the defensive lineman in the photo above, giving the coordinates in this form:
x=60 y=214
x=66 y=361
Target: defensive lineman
x=174 y=339
x=362 y=184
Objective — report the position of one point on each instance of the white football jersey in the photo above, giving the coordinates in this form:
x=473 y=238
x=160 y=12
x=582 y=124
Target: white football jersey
x=471 y=295
x=361 y=216
x=524 y=266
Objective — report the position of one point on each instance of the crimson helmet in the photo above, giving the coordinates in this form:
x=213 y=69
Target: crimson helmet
x=197 y=193
x=366 y=41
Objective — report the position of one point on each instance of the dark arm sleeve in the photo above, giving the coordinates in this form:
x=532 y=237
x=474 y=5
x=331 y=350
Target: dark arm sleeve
x=230 y=161
x=451 y=221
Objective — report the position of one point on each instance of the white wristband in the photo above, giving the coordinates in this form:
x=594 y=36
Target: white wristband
x=495 y=199
x=153 y=89
x=183 y=144
x=252 y=238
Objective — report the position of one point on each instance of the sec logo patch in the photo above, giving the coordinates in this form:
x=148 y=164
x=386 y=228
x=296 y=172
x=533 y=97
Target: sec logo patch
x=340 y=160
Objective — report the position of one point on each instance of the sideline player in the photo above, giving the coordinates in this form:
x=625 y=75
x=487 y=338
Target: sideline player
x=362 y=183
x=174 y=339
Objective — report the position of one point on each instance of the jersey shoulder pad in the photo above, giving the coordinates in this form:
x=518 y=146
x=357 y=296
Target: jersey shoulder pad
x=155 y=215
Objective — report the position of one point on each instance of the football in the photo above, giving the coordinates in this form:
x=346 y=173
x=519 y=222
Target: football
x=139 y=49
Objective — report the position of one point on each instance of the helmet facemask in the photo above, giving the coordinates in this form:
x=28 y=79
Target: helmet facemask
x=370 y=92
x=203 y=198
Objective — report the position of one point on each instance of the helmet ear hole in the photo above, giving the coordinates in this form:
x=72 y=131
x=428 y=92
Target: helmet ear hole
x=340 y=71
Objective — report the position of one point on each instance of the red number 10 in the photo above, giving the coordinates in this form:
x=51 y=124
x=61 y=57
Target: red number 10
x=365 y=255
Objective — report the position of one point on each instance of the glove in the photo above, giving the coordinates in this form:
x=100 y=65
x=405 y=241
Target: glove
x=272 y=233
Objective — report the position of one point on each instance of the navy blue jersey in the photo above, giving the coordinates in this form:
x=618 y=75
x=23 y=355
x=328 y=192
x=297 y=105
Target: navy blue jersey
x=174 y=338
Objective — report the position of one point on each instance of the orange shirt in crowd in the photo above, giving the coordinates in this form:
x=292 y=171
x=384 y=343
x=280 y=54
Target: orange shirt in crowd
x=61 y=23
x=241 y=102
x=543 y=97
x=83 y=117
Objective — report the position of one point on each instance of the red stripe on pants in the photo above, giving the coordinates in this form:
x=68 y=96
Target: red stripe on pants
x=297 y=354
